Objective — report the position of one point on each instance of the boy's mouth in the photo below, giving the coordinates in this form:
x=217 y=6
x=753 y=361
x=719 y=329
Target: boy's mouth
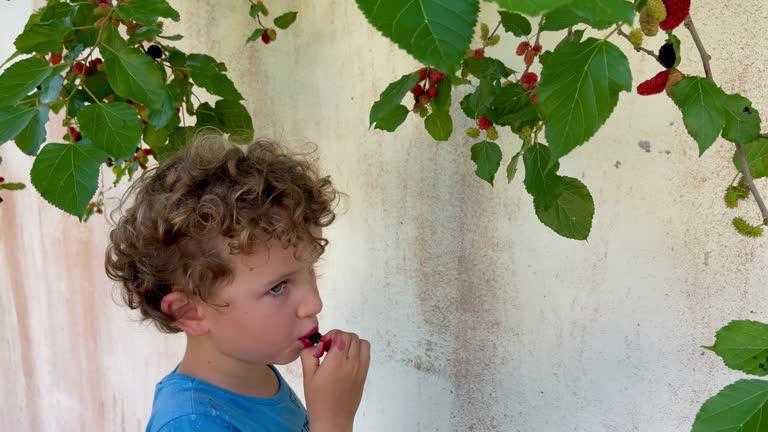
x=306 y=338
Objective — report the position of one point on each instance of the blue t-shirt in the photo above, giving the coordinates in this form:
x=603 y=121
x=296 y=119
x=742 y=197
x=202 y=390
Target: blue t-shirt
x=185 y=404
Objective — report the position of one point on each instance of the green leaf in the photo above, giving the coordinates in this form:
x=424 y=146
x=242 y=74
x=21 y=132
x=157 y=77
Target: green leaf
x=515 y=23
x=43 y=37
x=527 y=116
x=478 y=103
x=113 y=127
x=159 y=116
x=33 y=135
x=757 y=158
x=613 y=11
x=13 y=120
x=743 y=346
x=155 y=137
x=539 y=181
x=84 y=17
x=235 y=120
x=77 y=102
x=392 y=119
x=56 y=11
x=392 y=96
x=512 y=167
x=176 y=37
x=701 y=102
x=145 y=33
x=258 y=8
x=21 y=78
x=132 y=74
x=178 y=138
x=487 y=68
x=12 y=186
x=579 y=89
x=487 y=156
x=98 y=84
x=206 y=74
x=640 y=4
x=457 y=81
x=571 y=213
x=742 y=122
x=229 y=116
x=285 y=20
x=739 y=407
x=255 y=35
x=435 y=33
x=443 y=100
x=509 y=99
x=67 y=175
x=569 y=16
x=531 y=7
x=146 y=11
x=51 y=88
x=439 y=124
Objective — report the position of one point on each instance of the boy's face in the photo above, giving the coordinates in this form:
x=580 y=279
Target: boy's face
x=272 y=301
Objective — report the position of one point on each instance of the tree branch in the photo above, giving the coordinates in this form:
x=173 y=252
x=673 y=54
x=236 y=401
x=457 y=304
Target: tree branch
x=638 y=49
x=705 y=58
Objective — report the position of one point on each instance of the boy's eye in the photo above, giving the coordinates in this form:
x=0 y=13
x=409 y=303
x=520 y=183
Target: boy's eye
x=277 y=289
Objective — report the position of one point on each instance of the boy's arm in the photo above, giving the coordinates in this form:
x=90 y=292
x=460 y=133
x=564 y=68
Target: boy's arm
x=197 y=423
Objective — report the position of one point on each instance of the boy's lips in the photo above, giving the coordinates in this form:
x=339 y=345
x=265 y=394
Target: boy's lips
x=305 y=339
x=314 y=330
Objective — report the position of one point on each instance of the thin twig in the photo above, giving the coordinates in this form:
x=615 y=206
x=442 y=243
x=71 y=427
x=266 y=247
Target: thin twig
x=538 y=35
x=638 y=49
x=739 y=148
x=705 y=58
x=750 y=182
x=493 y=33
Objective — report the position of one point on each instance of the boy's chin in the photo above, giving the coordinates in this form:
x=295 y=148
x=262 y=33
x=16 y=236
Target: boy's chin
x=287 y=358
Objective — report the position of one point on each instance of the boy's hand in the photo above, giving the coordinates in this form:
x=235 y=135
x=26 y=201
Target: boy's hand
x=334 y=388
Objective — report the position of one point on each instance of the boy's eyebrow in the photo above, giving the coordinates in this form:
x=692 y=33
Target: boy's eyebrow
x=275 y=280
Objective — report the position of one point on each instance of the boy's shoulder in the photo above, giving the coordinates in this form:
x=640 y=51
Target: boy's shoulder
x=183 y=403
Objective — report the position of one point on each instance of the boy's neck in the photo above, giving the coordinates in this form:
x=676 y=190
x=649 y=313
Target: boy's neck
x=205 y=363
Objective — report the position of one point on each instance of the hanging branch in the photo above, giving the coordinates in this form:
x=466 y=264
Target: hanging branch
x=705 y=58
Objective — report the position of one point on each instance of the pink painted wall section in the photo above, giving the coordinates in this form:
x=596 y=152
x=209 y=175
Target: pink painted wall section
x=481 y=319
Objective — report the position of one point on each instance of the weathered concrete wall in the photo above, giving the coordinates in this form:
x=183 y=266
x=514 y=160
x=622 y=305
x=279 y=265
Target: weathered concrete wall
x=481 y=319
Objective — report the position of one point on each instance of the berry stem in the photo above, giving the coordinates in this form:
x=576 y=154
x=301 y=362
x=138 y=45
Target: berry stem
x=612 y=32
x=493 y=33
x=638 y=49
x=538 y=35
x=705 y=58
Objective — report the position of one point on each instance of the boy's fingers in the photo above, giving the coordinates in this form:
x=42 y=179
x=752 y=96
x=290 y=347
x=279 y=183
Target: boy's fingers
x=354 y=347
x=310 y=361
x=365 y=358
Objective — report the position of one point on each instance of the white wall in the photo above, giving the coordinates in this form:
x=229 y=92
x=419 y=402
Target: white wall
x=481 y=318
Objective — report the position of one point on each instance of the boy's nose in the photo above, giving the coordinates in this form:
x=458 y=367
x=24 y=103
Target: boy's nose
x=311 y=304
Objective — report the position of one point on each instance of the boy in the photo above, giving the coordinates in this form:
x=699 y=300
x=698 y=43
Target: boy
x=220 y=242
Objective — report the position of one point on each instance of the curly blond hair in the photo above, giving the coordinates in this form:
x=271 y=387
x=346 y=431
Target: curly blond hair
x=212 y=189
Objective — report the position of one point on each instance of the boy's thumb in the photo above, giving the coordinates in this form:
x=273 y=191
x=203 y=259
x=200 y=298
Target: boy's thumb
x=310 y=359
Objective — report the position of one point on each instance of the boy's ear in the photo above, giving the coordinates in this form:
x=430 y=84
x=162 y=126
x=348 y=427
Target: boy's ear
x=186 y=312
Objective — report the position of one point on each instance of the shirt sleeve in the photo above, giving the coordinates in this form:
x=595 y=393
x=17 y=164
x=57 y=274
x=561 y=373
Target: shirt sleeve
x=198 y=423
